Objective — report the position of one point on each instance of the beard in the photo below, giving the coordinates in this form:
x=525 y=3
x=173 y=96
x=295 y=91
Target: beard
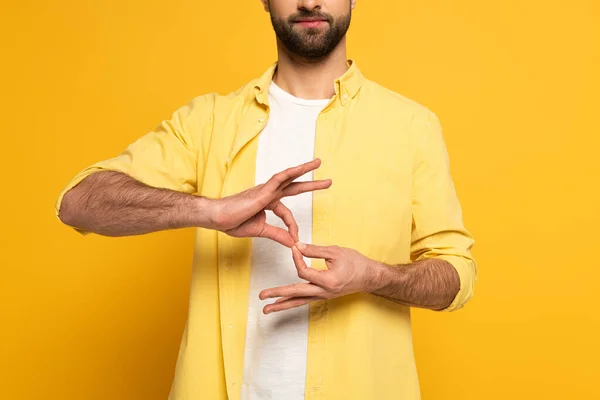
x=311 y=43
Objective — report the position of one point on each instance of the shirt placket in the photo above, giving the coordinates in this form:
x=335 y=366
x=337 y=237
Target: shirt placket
x=321 y=234
x=233 y=269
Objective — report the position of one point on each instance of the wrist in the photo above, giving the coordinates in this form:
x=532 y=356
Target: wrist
x=205 y=212
x=375 y=276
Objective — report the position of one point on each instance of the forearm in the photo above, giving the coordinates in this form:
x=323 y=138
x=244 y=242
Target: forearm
x=114 y=204
x=431 y=283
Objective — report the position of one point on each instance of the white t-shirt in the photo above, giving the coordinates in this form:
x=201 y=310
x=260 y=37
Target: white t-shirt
x=276 y=344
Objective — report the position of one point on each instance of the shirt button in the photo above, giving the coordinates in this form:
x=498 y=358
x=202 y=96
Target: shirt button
x=345 y=97
x=230 y=326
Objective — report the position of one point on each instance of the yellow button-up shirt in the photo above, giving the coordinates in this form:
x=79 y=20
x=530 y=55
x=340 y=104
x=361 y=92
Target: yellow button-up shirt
x=392 y=199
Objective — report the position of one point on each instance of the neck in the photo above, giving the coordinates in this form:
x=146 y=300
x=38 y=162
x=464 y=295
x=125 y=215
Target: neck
x=310 y=79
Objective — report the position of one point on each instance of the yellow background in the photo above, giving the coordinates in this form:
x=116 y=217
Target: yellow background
x=515 y=84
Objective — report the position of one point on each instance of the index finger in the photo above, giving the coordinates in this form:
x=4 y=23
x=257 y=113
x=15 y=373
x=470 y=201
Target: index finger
x=315 y=251
x=286 y=215
x=287 y=176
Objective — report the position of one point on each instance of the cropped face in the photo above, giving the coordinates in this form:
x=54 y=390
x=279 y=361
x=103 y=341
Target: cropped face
x=310 y=29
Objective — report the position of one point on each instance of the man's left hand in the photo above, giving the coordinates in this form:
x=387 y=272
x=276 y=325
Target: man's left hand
x=348 y=272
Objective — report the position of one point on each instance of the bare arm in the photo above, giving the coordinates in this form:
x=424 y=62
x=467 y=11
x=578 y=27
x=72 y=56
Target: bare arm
x=114 y=204
x=430 y=283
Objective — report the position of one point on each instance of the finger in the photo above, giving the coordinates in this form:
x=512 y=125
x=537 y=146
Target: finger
x=285 y=177
x=288 y=303
x=314 y=251
x=312 y=275
x=295 y=290
x=279 y=300
x=288 y=219
x=277 y=234
x=303 y=187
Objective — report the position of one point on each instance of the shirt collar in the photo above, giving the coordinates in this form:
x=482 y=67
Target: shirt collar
x=346 y=86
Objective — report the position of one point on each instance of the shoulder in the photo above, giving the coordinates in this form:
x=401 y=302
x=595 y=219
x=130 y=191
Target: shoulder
x=395 y=102
x=218 y=103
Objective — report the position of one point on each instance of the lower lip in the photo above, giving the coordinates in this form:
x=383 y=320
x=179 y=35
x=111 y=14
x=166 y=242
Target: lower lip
x=311 y=24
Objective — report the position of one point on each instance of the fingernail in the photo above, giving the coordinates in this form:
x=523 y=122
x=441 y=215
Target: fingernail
x=300 y=245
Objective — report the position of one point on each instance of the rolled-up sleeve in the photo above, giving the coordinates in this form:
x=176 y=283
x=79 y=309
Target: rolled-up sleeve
x=166 y=157
x=438 y=230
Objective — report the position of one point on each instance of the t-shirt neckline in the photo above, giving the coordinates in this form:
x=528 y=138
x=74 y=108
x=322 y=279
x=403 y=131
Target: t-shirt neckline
x=279 y=92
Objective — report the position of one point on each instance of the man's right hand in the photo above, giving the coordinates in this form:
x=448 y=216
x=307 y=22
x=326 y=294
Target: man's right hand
x=243 y=214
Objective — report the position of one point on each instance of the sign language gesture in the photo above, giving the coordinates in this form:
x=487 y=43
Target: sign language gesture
x=348 y=272
x=243 y=214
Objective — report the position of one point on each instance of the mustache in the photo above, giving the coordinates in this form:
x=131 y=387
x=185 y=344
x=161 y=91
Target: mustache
x=304 y=14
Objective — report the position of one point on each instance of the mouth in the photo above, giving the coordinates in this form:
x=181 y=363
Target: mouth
x=311 y=22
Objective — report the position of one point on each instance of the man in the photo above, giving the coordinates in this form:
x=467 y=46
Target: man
x=377 y=200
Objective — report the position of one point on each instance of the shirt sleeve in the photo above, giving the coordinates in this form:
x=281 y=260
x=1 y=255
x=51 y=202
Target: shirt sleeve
x=167 y=157
x=438 y=229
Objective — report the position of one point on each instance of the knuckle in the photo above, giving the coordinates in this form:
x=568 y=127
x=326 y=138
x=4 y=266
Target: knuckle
x=276 y=178
x=285 y=211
